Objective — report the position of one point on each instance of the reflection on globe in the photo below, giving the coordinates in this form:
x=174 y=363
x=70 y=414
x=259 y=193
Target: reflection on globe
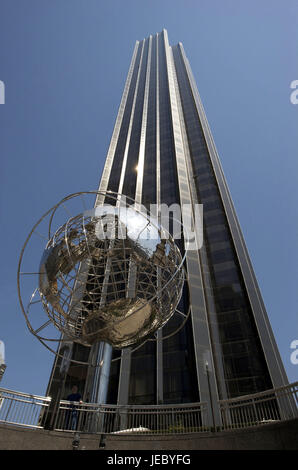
x=110 y=274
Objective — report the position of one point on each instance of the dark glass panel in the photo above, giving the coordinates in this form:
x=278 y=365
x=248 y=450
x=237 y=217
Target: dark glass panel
x=233 y=310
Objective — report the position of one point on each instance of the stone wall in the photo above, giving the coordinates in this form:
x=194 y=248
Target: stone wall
x=19 y=438
x=278 y=436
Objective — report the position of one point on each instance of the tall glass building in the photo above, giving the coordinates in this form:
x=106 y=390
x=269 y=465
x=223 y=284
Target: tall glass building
x=162 y=152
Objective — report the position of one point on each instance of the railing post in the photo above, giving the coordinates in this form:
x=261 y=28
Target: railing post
x=255 y=410
x=222 y=409
x=100 y=420
x=43 y=417
x=123 y=417
x=8 y=409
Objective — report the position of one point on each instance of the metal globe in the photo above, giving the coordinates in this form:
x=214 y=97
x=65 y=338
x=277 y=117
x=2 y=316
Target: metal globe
x=110 y=274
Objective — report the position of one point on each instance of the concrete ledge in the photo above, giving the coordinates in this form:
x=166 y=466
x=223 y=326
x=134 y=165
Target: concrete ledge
x=19 y=438
x=277 y=436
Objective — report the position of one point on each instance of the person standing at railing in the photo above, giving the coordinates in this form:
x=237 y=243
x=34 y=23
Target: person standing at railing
x=72 y=414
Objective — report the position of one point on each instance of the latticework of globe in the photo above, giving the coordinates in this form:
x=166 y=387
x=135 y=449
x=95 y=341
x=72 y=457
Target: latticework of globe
x=110 y=275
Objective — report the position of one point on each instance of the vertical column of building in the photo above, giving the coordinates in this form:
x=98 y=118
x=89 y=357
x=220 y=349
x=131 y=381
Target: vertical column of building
x=202 y=341
x=159 y=344
x=179 y=374
x=272 y=356
x=103 y=186
x=202 y=254
x=205 y=270
x=101 y=354
x=141 y=159
x=124 y=376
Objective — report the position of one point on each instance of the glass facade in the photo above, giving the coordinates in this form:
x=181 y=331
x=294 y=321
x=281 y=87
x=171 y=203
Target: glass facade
x=245 y=369
x=163 y=153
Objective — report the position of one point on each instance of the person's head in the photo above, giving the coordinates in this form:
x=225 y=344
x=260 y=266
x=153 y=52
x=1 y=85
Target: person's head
x=74 y=389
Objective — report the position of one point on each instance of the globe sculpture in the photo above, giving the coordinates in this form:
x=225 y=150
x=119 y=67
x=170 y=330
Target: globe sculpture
x=110 y=273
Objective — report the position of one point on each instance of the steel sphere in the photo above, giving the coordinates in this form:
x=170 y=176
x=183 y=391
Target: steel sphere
x=110 y=274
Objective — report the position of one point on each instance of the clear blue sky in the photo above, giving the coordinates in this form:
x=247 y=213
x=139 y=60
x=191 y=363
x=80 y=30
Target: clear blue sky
x=64 y=64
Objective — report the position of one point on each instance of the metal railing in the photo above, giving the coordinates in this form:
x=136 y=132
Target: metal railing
x=22 y=408
x=278 y=404
x=107 y=419
x=251 y=410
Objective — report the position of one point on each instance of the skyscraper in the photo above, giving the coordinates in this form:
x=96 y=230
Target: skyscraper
x=162 y=152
